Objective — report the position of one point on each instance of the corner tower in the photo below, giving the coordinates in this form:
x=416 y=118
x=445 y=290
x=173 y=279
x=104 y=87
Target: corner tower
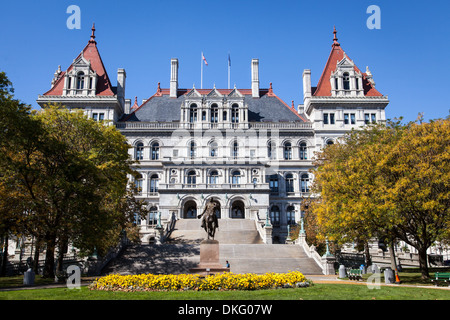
x=86 y=85
x=344 y=98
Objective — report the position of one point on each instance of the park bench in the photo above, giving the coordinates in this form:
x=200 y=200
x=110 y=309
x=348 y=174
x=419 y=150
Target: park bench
x=355 y=274
x=441 y=277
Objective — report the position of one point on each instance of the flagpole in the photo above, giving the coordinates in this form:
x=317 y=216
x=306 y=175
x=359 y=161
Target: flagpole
x=229 y=70
x=201 y=77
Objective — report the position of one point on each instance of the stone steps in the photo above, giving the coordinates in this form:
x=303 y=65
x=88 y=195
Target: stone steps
x=239 y=243
x=236 y=231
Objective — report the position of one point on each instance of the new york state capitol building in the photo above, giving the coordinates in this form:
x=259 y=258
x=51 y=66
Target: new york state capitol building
x=244 y=148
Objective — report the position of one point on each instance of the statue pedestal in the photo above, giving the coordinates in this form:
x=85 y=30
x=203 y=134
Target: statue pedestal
x=209 y=259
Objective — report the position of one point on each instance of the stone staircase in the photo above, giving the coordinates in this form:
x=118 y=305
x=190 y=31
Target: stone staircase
x=240 y=244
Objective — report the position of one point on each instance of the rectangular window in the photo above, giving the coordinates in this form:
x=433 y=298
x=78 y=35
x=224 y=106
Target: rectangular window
x=273 y=184
x=366 y=118
x=352 y=118
x=346 y=118
x=374 y=117
x=331 y=118
x=101 y=116
x=95 y=116
x=325 y=118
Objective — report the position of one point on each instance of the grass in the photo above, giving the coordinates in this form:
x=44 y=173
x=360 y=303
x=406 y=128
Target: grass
x=319 y=291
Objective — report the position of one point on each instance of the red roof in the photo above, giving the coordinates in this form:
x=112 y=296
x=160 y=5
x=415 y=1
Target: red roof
x=90 y=53
x=323 y=88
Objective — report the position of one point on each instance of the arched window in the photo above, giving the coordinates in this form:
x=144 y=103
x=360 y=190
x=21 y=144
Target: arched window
x=214 y=113
x=213 y=178
x=275 y=216
x=346 y=81
x=154 y=184
x=192 y=150
x=191 y=179
x=271 y=150
x=193 y=113
x=235 y=150
x=290 y=215
x=139 y=152
x=153 y=216
x=235 y=113
x=80 y=80
x=289 y=183
x=155 y=151
x=287 y=151
x=305 y=183
x=213 y=149
x=138 y=182
x=236 y=179
x=303 y=151
x=330 y=142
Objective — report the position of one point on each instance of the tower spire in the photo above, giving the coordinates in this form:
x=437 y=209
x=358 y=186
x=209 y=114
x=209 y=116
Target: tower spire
x=92 y=40
x=335 y=39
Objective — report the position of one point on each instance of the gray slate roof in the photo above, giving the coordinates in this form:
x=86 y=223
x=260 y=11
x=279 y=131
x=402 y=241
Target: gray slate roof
x=166 y=109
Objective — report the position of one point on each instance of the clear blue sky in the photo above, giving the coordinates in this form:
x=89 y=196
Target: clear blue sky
x=408 y=57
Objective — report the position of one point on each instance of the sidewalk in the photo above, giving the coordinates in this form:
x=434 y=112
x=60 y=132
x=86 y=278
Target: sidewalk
x=333 y=279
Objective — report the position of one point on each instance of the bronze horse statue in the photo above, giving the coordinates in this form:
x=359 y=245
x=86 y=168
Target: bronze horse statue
x=209 y=219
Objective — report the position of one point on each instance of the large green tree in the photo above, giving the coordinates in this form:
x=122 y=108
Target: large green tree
x=389 y=182
x=63 y=178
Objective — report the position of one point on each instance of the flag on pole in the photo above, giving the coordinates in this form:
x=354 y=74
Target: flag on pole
x=229 y=69
x=203 y=57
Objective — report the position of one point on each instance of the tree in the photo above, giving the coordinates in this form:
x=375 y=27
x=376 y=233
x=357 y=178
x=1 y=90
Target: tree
x=80 y=178
x=388 y=182
x=18 y=141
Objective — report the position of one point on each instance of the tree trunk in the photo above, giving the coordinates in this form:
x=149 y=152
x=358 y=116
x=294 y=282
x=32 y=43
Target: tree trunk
x=61 y=247
x=49 y=267
x=37 y=248
x=392 y=254
x=423 y=263
x=367 y=254
x=5 y=257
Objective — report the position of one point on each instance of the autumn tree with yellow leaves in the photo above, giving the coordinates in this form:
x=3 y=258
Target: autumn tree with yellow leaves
x=387 y=181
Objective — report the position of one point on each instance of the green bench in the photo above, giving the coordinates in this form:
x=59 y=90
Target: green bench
x=441 y=277
x=355 y=274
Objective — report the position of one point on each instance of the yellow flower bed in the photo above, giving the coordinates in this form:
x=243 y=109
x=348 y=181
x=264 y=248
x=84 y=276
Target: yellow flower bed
x=221 y=281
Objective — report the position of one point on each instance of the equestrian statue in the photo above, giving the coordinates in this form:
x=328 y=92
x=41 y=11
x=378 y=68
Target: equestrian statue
x=209 y=219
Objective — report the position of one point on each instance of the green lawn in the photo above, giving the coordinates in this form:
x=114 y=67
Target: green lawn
x=318 y=291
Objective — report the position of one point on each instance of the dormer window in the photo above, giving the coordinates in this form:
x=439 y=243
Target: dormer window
x=346 y=81
x=214 y=113
x=193 y=113
x=80 y=80
x=235 y=113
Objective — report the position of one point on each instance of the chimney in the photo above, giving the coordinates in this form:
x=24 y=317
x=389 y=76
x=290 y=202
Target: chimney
x=127 y=106
x=173 y=78
x=121 y=78
x=255 y=78
x=306 y=84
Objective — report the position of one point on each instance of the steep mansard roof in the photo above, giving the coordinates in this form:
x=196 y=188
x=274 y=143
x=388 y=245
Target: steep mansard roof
x=90 y=53
x=323 y=88
x=162 y=108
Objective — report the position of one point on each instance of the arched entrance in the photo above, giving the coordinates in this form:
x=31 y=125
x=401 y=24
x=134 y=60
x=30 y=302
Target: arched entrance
x=237 y=210
x=190 y=210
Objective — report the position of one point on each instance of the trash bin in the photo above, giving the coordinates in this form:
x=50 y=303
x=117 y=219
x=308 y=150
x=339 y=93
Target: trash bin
x=388 y=276
x=342 y=272
x=28 y=277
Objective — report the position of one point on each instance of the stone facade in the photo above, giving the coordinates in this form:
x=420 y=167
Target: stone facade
x=244 y=148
